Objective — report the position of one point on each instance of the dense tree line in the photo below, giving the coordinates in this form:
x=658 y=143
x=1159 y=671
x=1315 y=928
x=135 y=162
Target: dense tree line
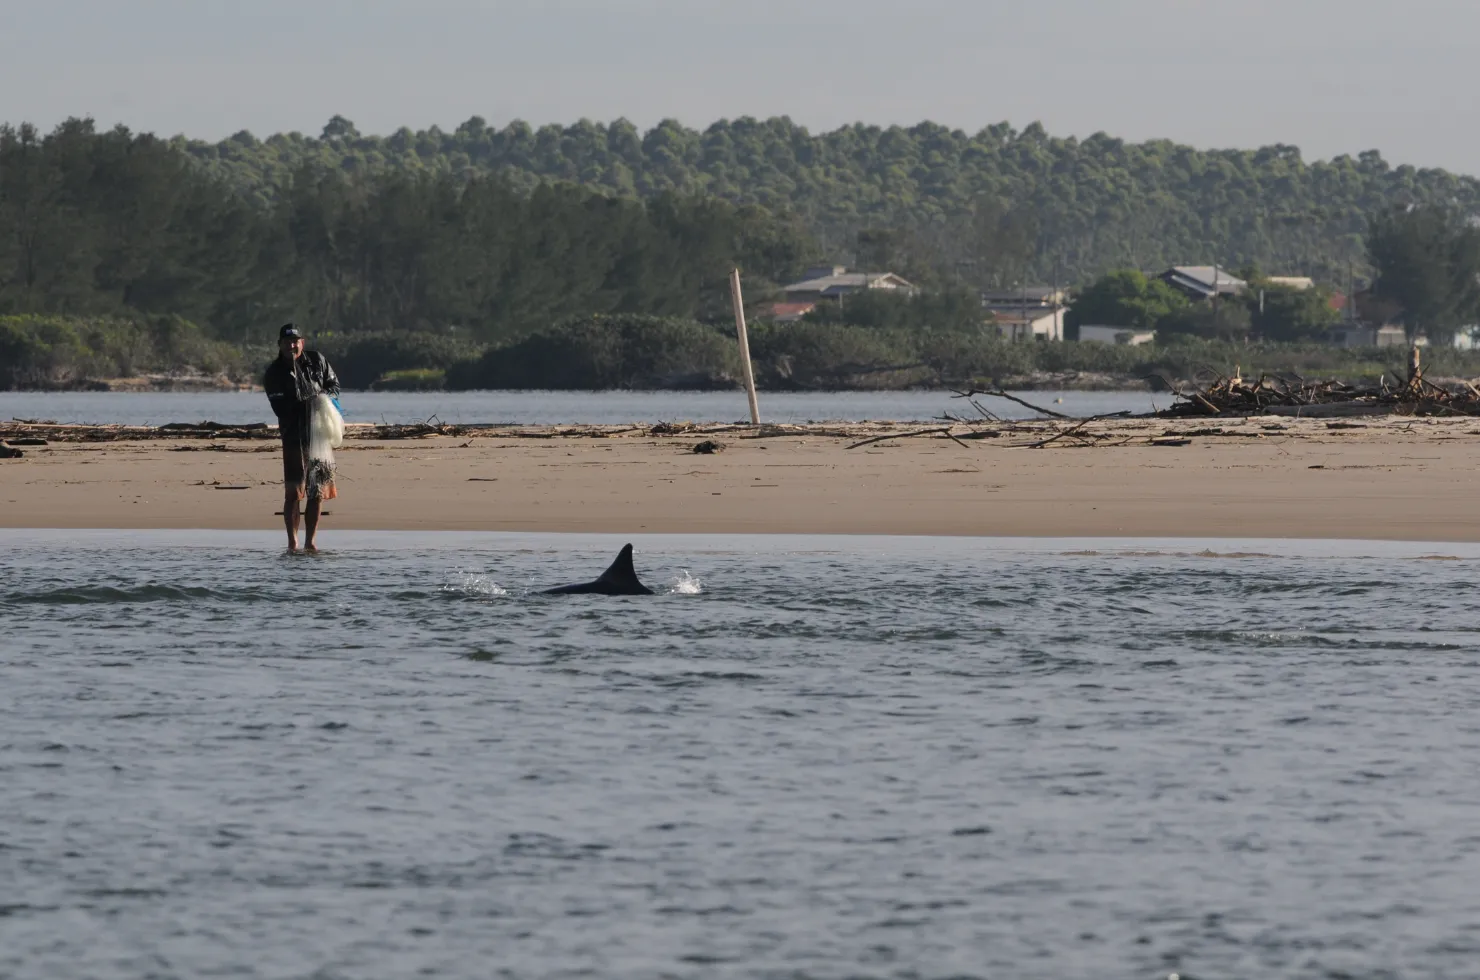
x=116 y=223
x=993 y=206
x=600 y=253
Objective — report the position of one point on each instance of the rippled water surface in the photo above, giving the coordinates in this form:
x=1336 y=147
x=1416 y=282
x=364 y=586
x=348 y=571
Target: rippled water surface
x=805 y=757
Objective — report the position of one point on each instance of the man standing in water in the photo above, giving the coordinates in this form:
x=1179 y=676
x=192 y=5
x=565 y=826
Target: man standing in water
x=292 y=382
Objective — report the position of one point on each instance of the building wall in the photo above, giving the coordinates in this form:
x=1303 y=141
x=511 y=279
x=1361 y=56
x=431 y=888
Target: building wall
x=1366 y=336
x=1099 y=334
x=1046 y=327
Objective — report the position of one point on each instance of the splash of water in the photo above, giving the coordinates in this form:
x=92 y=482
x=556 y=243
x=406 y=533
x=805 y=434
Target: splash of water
x=471 y=583
x=686 y=584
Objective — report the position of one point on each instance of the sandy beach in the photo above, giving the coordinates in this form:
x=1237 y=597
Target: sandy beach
x=1386 y=477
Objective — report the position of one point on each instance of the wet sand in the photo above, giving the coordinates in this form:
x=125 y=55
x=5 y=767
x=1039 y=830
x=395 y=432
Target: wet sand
x=1387 y=478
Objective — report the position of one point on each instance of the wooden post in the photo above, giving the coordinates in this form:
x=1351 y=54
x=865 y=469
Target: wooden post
x=1415 y=371
x=755 y=412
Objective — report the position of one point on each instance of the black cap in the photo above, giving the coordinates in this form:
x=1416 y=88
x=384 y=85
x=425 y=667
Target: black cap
x=289 y=331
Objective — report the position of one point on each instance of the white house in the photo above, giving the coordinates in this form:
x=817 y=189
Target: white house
x=1367 y=335
x=1045 y=323
x=1100 y=334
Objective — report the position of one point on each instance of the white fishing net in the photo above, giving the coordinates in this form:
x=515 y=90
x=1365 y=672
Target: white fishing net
x=325 y=434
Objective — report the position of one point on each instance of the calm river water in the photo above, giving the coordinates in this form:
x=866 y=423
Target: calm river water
x=841 y=757
x=558 y=407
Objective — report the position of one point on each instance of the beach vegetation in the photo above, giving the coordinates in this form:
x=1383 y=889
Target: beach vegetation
x=415 y=379
x=370 y=360
x=69 y=352
x=607 y=351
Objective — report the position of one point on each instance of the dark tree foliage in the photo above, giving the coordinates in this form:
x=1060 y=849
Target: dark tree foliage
x=1289 y=314
x=361 y=360
x=1229 y=320
x=887 y=309
x=1428 y=264
x=107 y=223
x=604 y=352
x=989 y=206
x=1123 y=298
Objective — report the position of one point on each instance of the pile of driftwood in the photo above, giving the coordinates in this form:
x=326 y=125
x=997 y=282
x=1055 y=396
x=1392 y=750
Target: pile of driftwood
x=1216 y=394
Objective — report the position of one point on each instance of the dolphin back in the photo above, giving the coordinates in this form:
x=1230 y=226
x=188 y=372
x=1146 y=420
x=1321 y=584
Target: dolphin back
x=619 y=579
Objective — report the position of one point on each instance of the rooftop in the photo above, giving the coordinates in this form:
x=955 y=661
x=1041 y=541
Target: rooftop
x=846 y=281
x=1205 y=279
x=1207 y=274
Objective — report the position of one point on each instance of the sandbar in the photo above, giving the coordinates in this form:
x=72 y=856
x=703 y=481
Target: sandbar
x=1385 y=477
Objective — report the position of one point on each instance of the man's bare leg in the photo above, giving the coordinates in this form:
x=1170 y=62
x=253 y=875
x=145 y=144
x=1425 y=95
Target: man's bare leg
x=290 y=520
x=313 y=524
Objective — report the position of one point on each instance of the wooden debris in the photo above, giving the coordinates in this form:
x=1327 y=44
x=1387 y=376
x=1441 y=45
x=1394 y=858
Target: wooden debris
x=999 y=393
x=946 y=431
x=671 y=428
x=1296 y=396
x=1219 y=432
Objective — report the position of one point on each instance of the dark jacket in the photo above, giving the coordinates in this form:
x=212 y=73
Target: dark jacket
x=291 y=385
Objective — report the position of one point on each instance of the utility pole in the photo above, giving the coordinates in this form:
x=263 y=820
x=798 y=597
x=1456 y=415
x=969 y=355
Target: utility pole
x=1215 y=294
x=1024 y=299
x=1058 y=325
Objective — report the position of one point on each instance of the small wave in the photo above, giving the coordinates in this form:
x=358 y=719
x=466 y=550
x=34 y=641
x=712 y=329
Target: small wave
x=1205 y=553
x=106 y=594
x=473 y=584
x=686 y=584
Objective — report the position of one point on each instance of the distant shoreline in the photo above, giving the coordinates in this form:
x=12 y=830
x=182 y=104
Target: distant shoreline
x=143 y=384
x=164 y=384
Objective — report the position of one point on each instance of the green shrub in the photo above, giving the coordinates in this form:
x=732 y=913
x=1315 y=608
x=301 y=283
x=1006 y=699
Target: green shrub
x=830 y=355
x=59 y=352
x=365 y=360
x=607 y=351
x=416 y=379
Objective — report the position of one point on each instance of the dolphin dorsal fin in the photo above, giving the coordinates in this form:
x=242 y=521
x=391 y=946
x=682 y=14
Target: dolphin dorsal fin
x=619 y=579
x=621 y=571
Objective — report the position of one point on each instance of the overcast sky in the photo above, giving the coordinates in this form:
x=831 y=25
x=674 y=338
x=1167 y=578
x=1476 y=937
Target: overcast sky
x=1331 y=76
